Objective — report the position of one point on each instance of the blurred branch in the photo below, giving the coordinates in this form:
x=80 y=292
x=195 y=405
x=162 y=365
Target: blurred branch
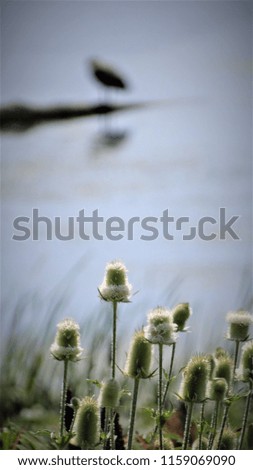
x=19 y=118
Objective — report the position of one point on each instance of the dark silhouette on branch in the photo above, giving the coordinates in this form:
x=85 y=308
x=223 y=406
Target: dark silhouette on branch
x=107 y=76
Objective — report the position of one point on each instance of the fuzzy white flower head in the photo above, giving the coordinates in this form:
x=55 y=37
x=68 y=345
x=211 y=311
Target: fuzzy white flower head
x=239 y=323
x=66 y=345
x=160 y=327
x=115 y=286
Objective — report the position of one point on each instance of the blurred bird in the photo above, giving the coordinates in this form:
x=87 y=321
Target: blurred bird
x=109 y=79
x=107 y=76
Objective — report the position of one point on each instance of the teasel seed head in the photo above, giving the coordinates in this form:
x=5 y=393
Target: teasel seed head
x=115 y=286
x=217 y=389
x=109 y=394
x=239 y=323
x=75 y=403
x=160 y=327
x=180 y=315
x=245 y=370
x=86 y=427
x=224 y=368
x=195 y=378
x=220 y=352
x=228 y=440
x=66 y=345
x=139 y=357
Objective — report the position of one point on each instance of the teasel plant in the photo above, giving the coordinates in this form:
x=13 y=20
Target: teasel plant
x=238 y=331
x=86 y=426
x=245 y=373
x=227 y=441
x=223 y=369
x=109 y=400
x=160 y=330
x=216 y=391
x=201 y=442
x=180 y=314
x=137 y=367
x=74 y=404
x=66 y=348
x=193 y=388
x=115 y=288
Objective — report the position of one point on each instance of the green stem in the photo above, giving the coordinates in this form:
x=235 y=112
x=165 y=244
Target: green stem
x=187 y=425
x=112 y=430
x=201 y=427
x=133 y=411
x=237 y=344
x=223 y=424
x=245 y=416
x=63 y=397
x=166 y=387
x=72 y=422
x=106 y=426
x=213 y=425
x=170 y=373
x=114 y=338
x=160 y=404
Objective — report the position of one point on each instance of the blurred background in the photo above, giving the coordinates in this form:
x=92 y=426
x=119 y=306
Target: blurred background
x=190 y=152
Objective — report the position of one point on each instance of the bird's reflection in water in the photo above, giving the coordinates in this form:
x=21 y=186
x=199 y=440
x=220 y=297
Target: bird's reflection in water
x=108 y=140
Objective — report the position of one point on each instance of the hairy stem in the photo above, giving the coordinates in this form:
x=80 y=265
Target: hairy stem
x=187 y=425
x=170 y=373
x=223 y=424
x=72 y=422
x=237 y=344
x=202 y=417
x=160 y=404
x=133 y=411
x=106 y=426
x=245 y=416
x=112 y=430
x=213 y=425
x=63 y=397
x=114 y=339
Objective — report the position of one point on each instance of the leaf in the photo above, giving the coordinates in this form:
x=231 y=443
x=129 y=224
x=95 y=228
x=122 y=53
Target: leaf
x=124 y=392
x=179 y=396
x=95 y=382
x=150 y=375
x=152 y=412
